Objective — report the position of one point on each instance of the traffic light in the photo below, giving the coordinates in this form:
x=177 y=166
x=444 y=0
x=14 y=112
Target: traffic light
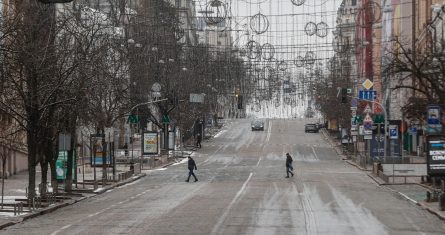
x=344 y=95
x=237 y=92
x=240 y=102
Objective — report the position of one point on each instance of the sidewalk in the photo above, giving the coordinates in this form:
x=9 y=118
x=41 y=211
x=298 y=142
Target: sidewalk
x=413 y=191
x=15 y=186
x=15 y=189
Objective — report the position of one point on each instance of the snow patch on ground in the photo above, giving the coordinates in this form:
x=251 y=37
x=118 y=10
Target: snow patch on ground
x=181 y=162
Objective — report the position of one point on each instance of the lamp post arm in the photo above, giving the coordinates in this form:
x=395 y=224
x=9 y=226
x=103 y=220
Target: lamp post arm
x=132 y=108
x=149 y=102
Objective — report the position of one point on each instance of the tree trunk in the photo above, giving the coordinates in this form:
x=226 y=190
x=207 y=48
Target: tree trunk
x=69 y=170
x=44 y=167
x=32 y=152
x=54 y=183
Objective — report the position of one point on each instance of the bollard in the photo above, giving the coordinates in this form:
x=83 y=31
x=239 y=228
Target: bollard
x=442 y=185
x=428 y=196
x=422 y=179
x=442 y=201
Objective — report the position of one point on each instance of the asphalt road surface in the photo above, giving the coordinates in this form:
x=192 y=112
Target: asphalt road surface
x=242 y=189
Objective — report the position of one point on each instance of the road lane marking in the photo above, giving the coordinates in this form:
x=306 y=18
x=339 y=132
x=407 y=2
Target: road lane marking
x=258 y=163
x=309 y=216
x=99 y=212
x=94 y=214
x=269 y=131
x=315 y=154
x=61 y=229
x=226 y=212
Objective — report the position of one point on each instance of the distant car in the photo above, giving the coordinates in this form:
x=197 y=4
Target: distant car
x=320 y=125
x=257 y=125
x=311 y=127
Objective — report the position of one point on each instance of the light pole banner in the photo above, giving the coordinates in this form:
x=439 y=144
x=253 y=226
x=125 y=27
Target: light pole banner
x=434 y=125
x=150 y=143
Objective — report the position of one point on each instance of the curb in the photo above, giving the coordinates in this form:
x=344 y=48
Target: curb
x=377 y=181
x=431 y=211
x=417 y=203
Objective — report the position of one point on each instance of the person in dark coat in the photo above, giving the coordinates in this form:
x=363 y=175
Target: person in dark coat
x=198 y=140
x=191 y=166
x=289 y=167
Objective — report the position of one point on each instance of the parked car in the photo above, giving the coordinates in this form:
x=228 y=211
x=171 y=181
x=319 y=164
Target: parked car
x=311 y=127
x=320 y=125
x=257 y=125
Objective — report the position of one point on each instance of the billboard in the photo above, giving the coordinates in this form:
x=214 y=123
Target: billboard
x=150 y=144
x=435 y=155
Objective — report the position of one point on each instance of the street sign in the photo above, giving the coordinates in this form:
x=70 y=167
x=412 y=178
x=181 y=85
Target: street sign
x=156 y=94
x=354 y=113
x=353 y=122
x=165 y=119
x=197 y=98
x=361 y=130
x=367 y=123
x=367 y=95
x=367 y=110
x=393 y=132
x=367 y=84
x=156 y=87
x=354 y=103
x=133 y=119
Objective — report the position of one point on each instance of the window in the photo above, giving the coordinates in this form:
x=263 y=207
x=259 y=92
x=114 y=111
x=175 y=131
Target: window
x=178 y=3
x=353 y=2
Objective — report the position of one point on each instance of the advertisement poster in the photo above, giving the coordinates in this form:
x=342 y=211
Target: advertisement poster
x=61 y=166
x=150 y=143
x=436 y=156
x=98 y=151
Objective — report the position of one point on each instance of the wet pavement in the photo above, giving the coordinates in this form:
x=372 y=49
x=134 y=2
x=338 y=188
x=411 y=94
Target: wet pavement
x=242 y=190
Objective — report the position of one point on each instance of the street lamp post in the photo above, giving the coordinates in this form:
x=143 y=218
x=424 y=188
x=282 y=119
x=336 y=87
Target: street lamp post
x=131 y=130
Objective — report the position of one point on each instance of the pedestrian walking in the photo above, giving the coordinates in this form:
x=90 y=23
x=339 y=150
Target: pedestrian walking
x=198 y=140
x=191 y=166
x=289 y=167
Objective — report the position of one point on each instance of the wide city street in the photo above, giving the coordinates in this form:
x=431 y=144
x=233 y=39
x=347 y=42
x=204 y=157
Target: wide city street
x=242 y=189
